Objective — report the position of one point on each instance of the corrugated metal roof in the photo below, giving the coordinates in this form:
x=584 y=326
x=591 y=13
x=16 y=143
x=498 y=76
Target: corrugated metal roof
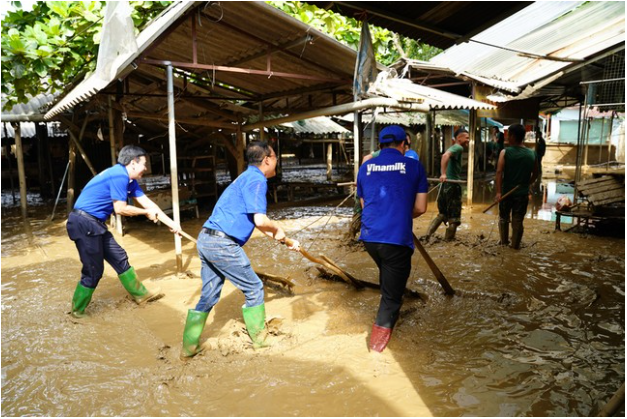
x=562 y=30
x=93 y=84
x=231 y=34
x=402 y=89
x=318 y=125
x=31 y=110
x=437 y=23
x=445 y=117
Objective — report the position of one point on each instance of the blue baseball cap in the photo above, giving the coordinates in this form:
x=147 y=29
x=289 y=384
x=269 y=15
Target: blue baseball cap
x=392 y=133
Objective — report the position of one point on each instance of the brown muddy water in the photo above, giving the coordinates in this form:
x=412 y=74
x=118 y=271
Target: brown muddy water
x=538 y=332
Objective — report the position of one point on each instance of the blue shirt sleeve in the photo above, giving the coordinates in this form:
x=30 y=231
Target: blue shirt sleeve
x=254 y=196
x=135 y=190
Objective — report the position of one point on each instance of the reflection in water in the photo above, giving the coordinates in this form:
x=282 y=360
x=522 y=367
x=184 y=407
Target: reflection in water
x=534 y=332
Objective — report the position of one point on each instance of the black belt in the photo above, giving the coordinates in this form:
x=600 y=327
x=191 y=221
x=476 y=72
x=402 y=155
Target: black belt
x=87 y=215
x=217 y=233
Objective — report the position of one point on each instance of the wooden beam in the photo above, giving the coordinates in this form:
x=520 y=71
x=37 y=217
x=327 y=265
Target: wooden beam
x=77 y=142
x=204 y=123
x=267 y=73
x=19 y=153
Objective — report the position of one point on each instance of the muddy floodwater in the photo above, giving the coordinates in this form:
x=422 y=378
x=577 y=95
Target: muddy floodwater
x=538 y=331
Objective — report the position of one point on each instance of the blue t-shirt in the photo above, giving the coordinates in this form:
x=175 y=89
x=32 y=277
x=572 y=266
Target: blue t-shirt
x=112 y=184
x=412 y=154
x=389 y=184
x=240 y=201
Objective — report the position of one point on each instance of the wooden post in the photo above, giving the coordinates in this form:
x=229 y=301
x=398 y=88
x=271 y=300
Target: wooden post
x=71 y=180
x=174 y=179
x=373 y=125
x=429 y=149
x=19 y=153
x=118 y=218
x=329 y=161
x=262 y=133
x=41 y=132
x=82 y=153
x=50 y=167
x=240 y=146
x=471 y=156
x=357 y=140
x=6 y=135
x=485 y=147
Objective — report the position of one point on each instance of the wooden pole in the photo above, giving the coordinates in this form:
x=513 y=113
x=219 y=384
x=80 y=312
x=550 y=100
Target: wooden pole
x=6 y=135
x=83 y=154
x=240 y=146
x=41 y=131
x=617 y=401
x=21 y=173
x=262 y=132
x=10 y=172
x=77 y=142
x=54 y=208
x=327 y=263
x=448 y=290
x=71 y=180
x=502 y=198
x=174 y=180
x=430 y=149
x=118 y=218
x=329 y=161
x=471 y=157
x=357 y=141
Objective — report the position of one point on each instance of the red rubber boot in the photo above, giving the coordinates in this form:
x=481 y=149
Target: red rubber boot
x=379 y=338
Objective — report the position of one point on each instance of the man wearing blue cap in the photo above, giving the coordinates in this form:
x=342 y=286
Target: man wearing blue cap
x=393 y=191
x=450 y=195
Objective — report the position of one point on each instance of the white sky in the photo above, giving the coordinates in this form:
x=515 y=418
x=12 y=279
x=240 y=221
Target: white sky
x=5 y=6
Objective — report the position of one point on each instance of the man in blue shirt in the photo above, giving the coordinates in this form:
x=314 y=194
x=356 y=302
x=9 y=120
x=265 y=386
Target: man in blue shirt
x=450 y=195
x=393 y=191
x=105 y=193
x=240 y=209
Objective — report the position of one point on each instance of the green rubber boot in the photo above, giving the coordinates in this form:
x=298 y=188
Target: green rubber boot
x=449 y=234
x=435 y=223
x=194 y=326
x=137 y=290
x=517 y=233
x=82 y=297
x=255 y=320
x=504 y=232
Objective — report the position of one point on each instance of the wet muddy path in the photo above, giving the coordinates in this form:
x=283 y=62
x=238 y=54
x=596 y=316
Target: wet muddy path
x=534 y=332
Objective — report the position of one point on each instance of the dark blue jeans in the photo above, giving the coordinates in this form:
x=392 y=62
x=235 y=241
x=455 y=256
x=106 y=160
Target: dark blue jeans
x=95 y=244
x=394 y=262
x=222 y=258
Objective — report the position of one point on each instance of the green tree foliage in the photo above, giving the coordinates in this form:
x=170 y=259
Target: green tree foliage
x=47 y=48
x=389 y=47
